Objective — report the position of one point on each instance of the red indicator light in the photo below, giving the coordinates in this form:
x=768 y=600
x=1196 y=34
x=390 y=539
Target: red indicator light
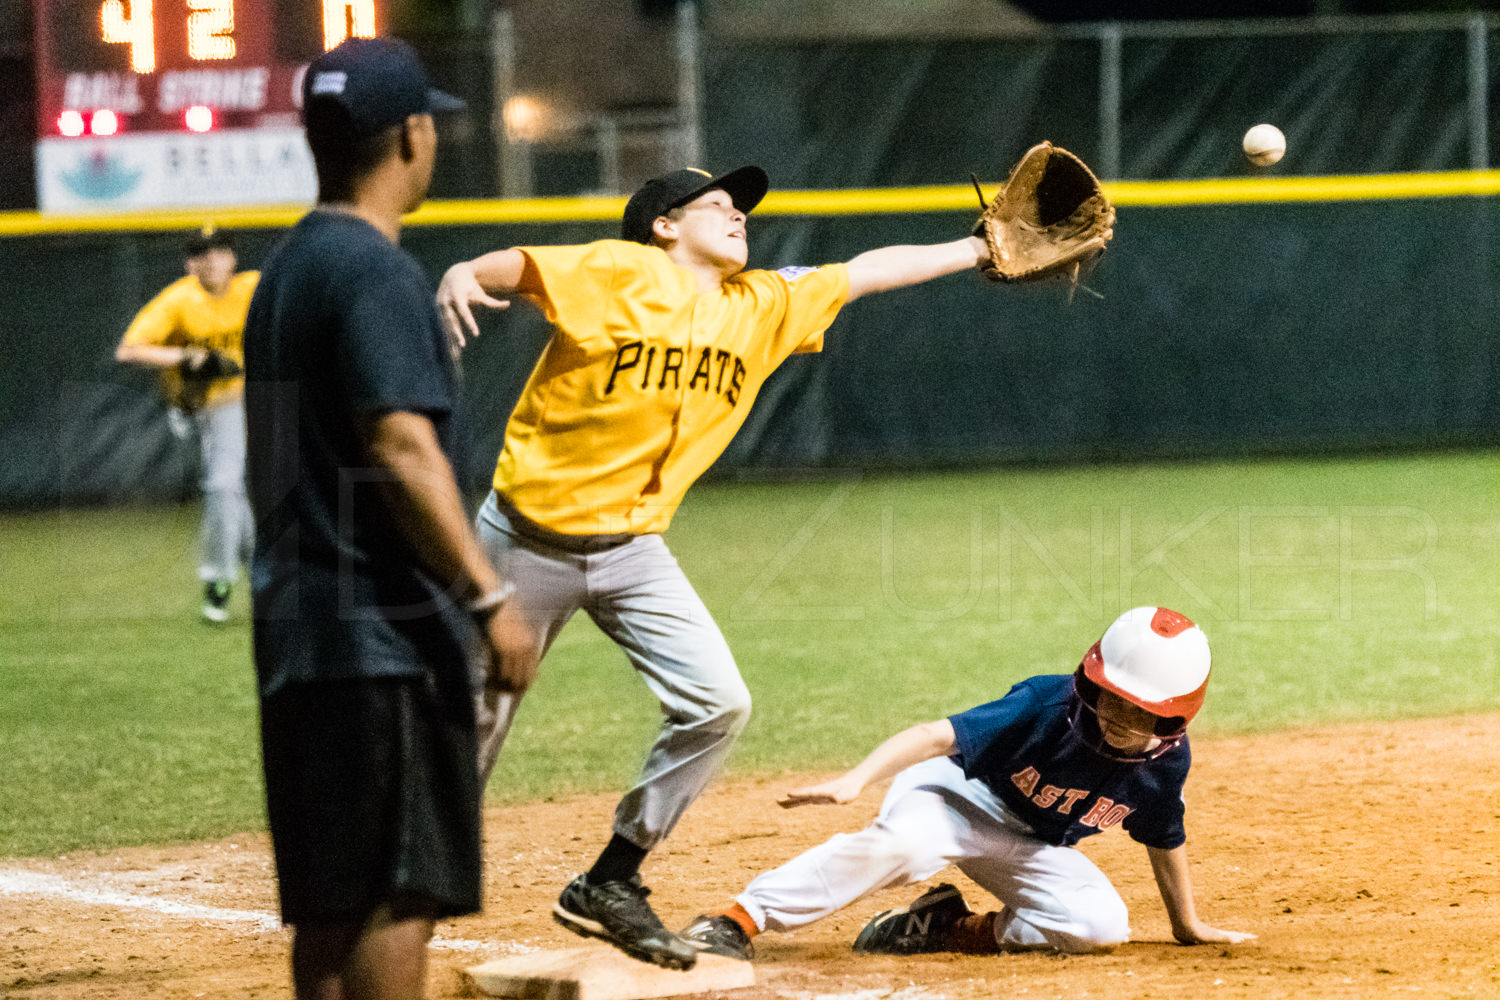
x=104 y=122
x=198 y=118
x=70 y=123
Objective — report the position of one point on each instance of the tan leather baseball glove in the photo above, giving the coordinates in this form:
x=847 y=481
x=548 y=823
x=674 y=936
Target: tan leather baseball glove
x=1049 y=219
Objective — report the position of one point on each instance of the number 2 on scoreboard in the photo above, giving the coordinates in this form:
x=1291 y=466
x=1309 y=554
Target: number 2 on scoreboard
x=210 y=29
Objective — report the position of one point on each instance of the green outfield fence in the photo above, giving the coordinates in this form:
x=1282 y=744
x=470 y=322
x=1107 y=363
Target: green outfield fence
x=1229 y=317
x=1344 y=300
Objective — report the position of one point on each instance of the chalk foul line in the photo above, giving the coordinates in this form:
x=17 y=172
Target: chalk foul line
x=37 y=884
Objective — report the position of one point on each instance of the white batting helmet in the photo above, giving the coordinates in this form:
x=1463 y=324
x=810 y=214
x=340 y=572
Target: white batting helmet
x=1153 y=658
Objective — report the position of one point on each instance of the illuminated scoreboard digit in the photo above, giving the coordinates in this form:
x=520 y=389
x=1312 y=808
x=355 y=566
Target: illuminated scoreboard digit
x=122 y=85
x=148 y=61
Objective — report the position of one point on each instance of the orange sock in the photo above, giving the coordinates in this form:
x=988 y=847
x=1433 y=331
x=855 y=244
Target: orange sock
x=741 y=916
x=974 y=934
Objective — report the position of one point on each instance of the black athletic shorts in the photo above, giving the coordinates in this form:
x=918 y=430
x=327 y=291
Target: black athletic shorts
x=372 y=790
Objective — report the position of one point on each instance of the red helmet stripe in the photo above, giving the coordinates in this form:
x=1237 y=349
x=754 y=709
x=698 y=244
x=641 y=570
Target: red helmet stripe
x=1167 y=623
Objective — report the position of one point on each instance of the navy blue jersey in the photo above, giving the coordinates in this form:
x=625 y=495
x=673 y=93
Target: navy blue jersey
x=1023 y=748
x=343 y=328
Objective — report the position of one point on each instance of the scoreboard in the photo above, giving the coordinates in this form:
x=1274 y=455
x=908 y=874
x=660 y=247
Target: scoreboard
x=179 y=103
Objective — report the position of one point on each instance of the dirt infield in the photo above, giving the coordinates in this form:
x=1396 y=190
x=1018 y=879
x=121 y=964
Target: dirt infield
x=1366 y=858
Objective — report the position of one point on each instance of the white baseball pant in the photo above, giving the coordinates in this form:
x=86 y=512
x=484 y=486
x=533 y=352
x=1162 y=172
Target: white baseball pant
x=933 y=816
x=226 y=535
x=638 y=596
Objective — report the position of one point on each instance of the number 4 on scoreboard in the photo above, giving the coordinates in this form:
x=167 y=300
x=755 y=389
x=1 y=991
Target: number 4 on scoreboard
x=137 y=30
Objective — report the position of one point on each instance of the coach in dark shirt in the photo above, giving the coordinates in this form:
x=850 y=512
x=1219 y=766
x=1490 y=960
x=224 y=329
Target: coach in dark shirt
x=374 y=608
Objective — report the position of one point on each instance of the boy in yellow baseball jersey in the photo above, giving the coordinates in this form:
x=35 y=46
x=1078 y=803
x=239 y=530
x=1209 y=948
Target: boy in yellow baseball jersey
x=193 y=331
x=661 y=341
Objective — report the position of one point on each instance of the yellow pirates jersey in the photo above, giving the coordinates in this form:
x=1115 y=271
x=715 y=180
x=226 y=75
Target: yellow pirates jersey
x=184 y=315
x=646 y=379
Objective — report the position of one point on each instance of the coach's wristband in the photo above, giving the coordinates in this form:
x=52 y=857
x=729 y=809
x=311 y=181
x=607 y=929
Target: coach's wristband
x=488 y=603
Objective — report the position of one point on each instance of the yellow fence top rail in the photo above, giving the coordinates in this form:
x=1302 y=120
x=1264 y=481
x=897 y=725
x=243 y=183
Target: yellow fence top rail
x=871 y=201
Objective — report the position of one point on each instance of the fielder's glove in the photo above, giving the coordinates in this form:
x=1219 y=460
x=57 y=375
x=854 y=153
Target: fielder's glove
x=195 y=374
x=213 y=364
x=1049 y=219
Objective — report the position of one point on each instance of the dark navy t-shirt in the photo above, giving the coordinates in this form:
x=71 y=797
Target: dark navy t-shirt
x=342 y=328
x=1023 y=748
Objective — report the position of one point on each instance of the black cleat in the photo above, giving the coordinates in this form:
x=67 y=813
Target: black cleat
x=719 y=935
x=216 y=601
x=921 y=927
x=617 y=913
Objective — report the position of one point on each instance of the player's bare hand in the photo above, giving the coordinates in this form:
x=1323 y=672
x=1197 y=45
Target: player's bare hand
x=457 y=295
x=512 y=650
x=835 y=792
x=1201 y=933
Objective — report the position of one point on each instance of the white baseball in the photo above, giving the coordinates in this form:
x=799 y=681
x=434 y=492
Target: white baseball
x=1264 y=145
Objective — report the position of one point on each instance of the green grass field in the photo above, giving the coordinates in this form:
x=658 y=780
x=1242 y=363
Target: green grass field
x=1330 y=589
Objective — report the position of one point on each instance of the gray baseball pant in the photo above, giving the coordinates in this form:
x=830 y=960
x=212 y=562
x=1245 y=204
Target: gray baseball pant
x=636 y=593
x=227 y=532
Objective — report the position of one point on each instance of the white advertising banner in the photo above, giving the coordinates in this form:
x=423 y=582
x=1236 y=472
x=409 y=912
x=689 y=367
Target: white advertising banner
x=265 y=166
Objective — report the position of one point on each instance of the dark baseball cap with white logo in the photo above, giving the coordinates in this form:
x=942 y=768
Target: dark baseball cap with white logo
x=376 y=82
x=745 y=186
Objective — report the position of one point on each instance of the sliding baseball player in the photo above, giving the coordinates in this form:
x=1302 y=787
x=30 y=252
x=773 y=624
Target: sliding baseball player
x=1005 y=791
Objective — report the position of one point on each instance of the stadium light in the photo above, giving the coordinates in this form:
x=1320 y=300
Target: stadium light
x=525 y=118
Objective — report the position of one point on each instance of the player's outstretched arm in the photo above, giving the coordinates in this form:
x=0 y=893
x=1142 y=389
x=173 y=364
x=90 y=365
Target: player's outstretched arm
x=159 y=355
x=896 y=267
x=1171 y=870
x=477 y=282
x=908 y=747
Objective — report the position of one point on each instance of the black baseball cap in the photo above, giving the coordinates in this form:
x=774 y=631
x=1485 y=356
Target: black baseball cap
x=209 y=237
x=376 y=82
x=746 y=186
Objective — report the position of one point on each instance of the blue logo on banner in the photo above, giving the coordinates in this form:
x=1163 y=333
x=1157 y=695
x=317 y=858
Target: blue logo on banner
x=100 y=177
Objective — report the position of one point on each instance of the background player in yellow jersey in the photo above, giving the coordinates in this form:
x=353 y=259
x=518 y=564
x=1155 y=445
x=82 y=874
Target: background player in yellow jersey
x=192 y=331
x=661 y=341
